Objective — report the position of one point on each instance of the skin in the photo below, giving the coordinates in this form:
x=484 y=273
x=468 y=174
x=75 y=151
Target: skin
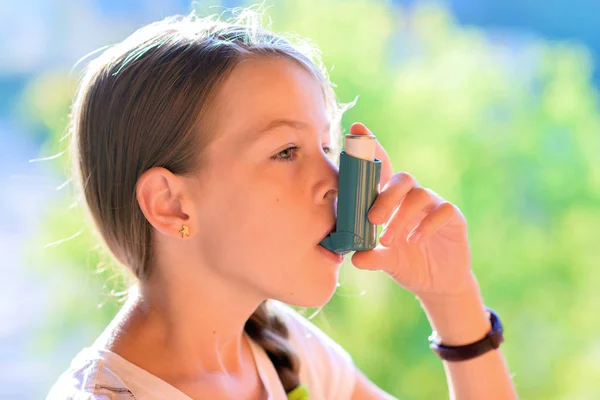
x=254 y=227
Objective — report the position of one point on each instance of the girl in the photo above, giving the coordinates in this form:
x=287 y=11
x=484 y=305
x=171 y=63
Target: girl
x=202 y=149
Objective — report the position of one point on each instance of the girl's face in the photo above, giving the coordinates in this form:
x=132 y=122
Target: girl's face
x=268 y=191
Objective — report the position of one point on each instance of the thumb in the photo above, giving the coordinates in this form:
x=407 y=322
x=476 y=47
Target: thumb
x=373 y=260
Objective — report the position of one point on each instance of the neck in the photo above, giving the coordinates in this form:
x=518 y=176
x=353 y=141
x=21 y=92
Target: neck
x=194 y=327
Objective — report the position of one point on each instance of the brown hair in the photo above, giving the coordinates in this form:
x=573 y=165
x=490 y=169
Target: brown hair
x=144 y=103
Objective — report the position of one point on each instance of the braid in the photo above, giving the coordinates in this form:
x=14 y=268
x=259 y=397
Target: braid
x=271 y=333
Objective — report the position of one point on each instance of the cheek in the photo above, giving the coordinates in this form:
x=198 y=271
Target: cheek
x=256 y=216
x=269 y=223
x=263 y=237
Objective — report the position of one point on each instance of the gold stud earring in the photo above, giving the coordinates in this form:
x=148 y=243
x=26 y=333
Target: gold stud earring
x=184 y=231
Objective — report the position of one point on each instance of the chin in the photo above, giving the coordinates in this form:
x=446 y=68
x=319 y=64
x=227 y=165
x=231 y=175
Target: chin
x=309 y=282
x=311 y=296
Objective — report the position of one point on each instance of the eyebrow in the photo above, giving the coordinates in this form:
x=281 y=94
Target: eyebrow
x=277 y=123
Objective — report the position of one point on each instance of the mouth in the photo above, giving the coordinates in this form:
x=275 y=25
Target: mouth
x=336 y=258
x=331 y=229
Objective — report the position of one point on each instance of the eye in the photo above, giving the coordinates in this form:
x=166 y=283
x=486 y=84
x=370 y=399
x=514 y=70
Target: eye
x=288 y=154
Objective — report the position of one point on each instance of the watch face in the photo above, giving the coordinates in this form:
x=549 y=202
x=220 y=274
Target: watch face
x=495 y=320
x=496 y=339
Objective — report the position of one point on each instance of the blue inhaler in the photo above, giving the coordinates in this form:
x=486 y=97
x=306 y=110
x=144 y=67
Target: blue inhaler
x=359 y=178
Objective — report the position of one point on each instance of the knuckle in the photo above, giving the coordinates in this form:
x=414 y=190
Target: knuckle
x=400 y=180
x=398 y=183
x=404 y=177
x=446 y=206
x=421 y=194
x=450 y=208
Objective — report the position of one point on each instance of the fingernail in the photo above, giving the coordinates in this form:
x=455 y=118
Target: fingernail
x=377 y=213
x=414 y=237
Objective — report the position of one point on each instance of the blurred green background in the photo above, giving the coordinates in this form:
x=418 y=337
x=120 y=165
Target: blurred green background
x=505 y=125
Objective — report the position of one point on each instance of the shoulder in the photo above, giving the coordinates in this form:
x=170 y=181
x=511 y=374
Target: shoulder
x=325 y=366
x=88 y=378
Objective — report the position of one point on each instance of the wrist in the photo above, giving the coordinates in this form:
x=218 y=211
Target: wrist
x=458 y=319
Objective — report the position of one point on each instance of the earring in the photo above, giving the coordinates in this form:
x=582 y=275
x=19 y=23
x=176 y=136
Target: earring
x=184 y=231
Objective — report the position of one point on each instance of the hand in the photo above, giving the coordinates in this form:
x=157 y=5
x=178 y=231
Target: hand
x=424 y=245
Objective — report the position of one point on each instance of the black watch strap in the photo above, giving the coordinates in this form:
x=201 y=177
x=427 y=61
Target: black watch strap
x=491 y=341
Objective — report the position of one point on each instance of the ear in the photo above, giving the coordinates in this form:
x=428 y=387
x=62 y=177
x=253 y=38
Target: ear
x=164 y=201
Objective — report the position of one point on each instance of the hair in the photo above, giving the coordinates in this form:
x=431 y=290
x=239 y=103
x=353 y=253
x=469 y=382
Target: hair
x=146 y=102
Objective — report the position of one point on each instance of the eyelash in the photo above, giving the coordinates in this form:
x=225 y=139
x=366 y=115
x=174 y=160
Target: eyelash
x=277 y=157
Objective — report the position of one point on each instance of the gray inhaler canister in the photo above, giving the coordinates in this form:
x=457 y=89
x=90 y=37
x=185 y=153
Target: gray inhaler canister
x=359 y=178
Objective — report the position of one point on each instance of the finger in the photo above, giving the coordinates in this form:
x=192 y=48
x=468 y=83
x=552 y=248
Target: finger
x=440 y=216
x=390 y=196
x=387 y=171
x=417 y=200
x=380 y=258
x=370 y=260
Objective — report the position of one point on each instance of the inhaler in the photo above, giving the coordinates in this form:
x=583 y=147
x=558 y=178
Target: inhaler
x=359 y=178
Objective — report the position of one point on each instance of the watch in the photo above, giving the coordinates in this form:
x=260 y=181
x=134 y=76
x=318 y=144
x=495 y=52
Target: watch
x=491 y=341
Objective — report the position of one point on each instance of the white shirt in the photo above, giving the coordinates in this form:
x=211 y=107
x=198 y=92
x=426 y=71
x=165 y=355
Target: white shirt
x=325 y=367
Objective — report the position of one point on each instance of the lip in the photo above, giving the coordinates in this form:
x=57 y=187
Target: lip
x=337 y=258
x=331 y=229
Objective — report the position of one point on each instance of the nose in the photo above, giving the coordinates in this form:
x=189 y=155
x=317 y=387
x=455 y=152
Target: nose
x=326 y=188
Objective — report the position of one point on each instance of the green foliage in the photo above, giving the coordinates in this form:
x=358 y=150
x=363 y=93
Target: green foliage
x=509 y=135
